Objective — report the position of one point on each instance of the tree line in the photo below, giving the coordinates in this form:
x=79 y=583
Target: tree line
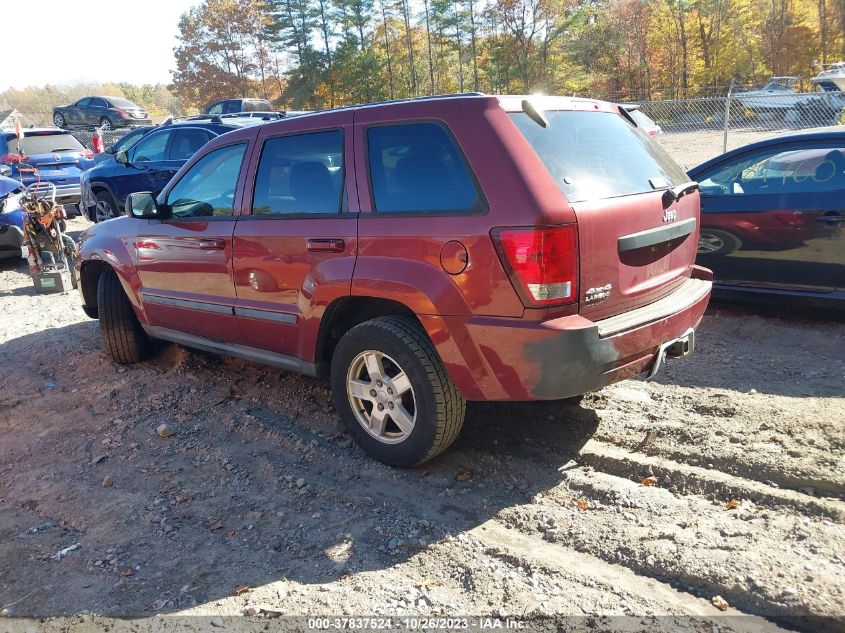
x=325 y=53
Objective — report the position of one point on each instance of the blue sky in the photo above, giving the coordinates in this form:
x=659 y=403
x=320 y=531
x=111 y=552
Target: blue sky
x=90 y=41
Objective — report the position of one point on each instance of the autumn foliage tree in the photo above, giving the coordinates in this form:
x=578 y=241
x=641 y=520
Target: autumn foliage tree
x=323 y=53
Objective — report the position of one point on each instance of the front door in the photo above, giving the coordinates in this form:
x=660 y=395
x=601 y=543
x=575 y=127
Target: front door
x=773 y=218
x=185 y=262
x=143 y=172
x=295 y=245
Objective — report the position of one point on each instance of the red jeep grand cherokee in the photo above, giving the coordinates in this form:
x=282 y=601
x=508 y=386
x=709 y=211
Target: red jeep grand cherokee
x=420 y=253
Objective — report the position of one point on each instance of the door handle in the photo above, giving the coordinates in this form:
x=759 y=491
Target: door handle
x=331 y=245
x=212 y=244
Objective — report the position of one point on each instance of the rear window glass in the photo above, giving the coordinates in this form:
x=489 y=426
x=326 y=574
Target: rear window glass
x=47 y=144
x=597 y=155
x=417 y=167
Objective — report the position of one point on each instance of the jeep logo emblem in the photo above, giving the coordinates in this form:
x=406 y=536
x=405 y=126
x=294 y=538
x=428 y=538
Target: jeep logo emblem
x=670 y=215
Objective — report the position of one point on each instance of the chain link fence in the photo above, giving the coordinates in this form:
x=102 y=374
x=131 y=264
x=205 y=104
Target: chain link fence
x=695 y=130
x=110 y=137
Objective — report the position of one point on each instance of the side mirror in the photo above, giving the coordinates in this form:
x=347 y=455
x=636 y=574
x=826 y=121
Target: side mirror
x=6 y=171
x=143 y=206
x=122 y=157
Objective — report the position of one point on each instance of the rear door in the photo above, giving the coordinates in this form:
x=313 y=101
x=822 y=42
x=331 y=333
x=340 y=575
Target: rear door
x=635 y=245
x=185 y=263
x=773 y=217
x=296 y=242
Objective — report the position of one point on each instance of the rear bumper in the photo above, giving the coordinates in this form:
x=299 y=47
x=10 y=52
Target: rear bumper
x=68 y=194
x=511 y=359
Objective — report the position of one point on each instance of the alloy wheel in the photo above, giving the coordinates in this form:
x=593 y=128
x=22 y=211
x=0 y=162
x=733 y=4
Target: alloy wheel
x=381 y=396
x=103 y=211
x=710 y=243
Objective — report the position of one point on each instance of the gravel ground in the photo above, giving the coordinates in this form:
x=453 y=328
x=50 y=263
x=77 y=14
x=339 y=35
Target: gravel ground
x=537 y=510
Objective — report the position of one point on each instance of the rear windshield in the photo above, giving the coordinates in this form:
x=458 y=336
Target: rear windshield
x=597 y=155
x=46 y=144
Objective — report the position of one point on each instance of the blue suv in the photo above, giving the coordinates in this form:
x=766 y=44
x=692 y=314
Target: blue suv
x=148 y=165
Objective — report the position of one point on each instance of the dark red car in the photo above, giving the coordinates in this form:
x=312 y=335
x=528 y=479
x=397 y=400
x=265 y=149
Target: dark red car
x=420 y=253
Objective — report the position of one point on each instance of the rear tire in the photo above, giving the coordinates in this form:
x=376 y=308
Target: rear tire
x=106 y=124
x=123 y=337
x=430 y=410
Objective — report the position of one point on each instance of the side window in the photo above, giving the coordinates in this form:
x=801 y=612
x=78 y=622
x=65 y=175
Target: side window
x=779 y=171
x=232 y=107
x=217 y=108
x=98 y=103
x=208 y=187
x=186 y=143
x=417 y=167
x=151 y=148
x=83 y=103
x=302 y=173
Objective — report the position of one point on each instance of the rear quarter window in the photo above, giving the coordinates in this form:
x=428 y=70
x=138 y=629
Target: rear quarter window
x=597 y=155
x=417 y=167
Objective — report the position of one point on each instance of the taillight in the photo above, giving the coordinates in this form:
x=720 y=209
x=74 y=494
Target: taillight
x=122 y=114
x=87 y=153
x=11 y=159
x=542 y=262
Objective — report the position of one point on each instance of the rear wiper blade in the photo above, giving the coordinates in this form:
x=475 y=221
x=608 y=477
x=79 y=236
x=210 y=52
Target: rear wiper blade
x=678 y=192
x=63 y=149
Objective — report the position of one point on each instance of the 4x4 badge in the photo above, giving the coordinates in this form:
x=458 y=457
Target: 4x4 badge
x=597 y=295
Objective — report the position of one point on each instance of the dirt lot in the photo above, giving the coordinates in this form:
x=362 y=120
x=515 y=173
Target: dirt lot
x=536 y=510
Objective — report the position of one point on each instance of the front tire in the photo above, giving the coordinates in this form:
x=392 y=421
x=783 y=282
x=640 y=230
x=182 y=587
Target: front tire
x=123 y=337
x=393 y=393
x=59 y=119
x=105 y=207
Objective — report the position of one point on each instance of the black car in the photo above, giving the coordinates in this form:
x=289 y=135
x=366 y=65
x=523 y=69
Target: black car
x=147 y=165
x=105 y=112
x=233 y=106
x=772 y=216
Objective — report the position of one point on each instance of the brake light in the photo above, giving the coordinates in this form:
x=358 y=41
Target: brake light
x=12 y=159
x=542 y=262
x=122 y=114
x=87 y=153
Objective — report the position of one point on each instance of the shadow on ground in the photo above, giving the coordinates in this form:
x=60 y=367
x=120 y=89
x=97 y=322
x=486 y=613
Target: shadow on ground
x=257 y=485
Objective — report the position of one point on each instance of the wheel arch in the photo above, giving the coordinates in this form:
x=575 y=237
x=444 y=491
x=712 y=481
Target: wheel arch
x=343 y=314
x=90 y=272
